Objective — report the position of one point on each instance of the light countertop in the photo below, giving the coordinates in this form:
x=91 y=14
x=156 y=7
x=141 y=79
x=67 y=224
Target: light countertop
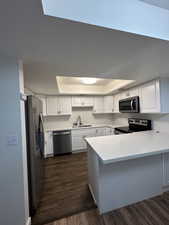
x=79 y=128
x=122 y=147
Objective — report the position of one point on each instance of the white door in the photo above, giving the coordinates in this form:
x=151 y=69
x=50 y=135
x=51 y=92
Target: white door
x=76 y=101
x=52 y=106
x=150 y=97
x=117 y=97
x=109 y=131
x=101 y=131
x=64 y=105
x=98 y=104
x=87 y=101
x=77 y=141
x=78 y=136
x=108 y=104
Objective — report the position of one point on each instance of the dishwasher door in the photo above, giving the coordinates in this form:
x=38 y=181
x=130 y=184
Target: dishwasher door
x=62 y=142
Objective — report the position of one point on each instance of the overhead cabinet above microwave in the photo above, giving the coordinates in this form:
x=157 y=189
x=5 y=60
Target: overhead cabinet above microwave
x=153 y=96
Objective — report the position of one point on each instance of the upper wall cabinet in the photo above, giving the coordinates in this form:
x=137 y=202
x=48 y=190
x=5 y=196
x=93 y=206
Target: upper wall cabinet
x=154 y=96
x=108 y=104
x=82 y=101
x=103 y=104
x=150 y=97
x=130 y=93
x=58 y=106
x=98 y=104
x=117 y=98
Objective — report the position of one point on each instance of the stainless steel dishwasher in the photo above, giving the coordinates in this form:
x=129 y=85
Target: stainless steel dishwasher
x=62 y=142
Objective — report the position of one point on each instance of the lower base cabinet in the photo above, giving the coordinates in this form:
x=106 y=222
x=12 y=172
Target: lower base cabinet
x=131 y=180
x=78 y=136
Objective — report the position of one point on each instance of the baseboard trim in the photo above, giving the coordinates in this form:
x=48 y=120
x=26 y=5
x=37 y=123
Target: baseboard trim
x=28 y=221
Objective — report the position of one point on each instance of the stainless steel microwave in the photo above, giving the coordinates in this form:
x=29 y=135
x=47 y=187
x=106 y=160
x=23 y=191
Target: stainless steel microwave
x=129 y=105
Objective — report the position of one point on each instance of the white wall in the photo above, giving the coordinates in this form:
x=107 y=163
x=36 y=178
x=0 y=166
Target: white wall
x=86 y=115
x=127 y=15
x=13 y=205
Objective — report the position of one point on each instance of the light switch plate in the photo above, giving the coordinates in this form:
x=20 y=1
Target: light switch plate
x=12 y=140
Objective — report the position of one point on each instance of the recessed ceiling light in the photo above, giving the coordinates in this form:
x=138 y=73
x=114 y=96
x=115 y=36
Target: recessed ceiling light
x=88 y=80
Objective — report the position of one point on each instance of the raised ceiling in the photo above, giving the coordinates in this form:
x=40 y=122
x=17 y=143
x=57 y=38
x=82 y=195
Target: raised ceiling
x=76 y=85
x=79 y=81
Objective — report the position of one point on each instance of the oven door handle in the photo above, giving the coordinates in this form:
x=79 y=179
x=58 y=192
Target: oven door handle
x=131 y=104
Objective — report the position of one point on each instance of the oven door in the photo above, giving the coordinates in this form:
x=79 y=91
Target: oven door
x=129 y=105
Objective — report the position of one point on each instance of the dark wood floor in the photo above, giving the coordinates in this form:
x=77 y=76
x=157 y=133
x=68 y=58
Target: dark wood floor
x=154 y=211
x=65 y=188
x=66 y=199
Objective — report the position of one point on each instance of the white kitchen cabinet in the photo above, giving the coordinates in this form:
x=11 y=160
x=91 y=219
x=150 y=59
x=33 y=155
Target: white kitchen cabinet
x=78 y=135
x=87 y=101
x=76 y=101
x=150 y=97
x=109 y=131
x=117 y=97
x=43 y=99
x=64 y=105
x=98 y=104
x=166 y=169
x=100 y=131
x=130 y=93
x=82 y=101
x=48 y=144
x=52 y=106
x=58 y=105
x=108 y=104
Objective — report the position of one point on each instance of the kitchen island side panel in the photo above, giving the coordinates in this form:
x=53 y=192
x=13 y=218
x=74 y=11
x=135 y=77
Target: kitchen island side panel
x=127 y=182
x=93 y=174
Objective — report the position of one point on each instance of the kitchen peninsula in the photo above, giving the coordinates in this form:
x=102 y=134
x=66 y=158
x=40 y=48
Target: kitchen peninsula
x=124 y=169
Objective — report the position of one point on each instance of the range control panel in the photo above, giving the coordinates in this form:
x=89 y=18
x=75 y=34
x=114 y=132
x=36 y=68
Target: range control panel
x=140 y=122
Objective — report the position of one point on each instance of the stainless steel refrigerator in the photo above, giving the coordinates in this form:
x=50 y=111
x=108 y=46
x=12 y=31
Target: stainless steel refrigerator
x=35 y=150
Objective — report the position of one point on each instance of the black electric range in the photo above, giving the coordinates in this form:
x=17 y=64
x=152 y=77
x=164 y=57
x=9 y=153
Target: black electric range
x=135 y=125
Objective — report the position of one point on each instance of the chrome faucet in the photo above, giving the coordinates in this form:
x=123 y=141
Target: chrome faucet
x=78 y=122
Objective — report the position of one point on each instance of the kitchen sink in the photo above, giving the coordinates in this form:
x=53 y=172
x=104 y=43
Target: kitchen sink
x=83 y=125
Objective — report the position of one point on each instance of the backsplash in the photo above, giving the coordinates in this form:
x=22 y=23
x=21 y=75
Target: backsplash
x=87 y=116
x=159 y=121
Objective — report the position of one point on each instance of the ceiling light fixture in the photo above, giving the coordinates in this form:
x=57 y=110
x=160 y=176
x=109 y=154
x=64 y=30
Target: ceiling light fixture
x=89 y=80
